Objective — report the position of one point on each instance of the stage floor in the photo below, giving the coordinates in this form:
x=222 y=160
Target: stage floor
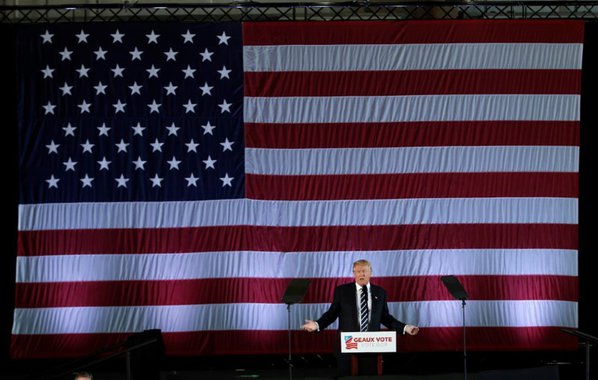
x=402 y=366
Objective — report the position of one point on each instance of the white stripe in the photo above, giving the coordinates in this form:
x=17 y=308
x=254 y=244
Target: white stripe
x=217 y=317
x=297 y=213
x=328 y=264
x=412 y=57
x=488 y=313
x=387 y=109
x=458 y=159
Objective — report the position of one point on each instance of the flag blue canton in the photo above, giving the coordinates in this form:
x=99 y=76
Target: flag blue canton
x=130 y=112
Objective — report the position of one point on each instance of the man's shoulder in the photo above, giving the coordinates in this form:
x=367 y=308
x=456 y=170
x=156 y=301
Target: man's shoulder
x=377 y=289
x=347 y=286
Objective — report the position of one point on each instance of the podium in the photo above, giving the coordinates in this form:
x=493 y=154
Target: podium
x=368 y=342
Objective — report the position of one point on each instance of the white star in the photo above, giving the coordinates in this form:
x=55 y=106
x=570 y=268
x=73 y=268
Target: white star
x=69 y=130
x=100 y=54
x=53 y=147
x=47 y=72
x=224 y=106
x=206 y=55
x=52 y=182
x=118 y=71
x=66 y=89
x=69 y=165
x=174 y=163
x=224 y=72
x=189 y=107
x=156 y=181
x=156 y=145
x=191 y=146
x=188 y=72
x=49 y=108
x=103 y=130
x=138 y=130
x=191 y=180
x=152 y=37
x=139 y=163
x=104 y=164
x=121 y=181
x=87 y=147
x=226 y=180
x=172 y=130
x=152 y=71
x=209 y=163
x=154 y=107
x=119 y=106
x=188 y=37
x=84 y=106
x=117 y=37
x=83 y=72
x=82 y=36
x=136 y=54
x=65 y=54
x=208 y=128
x=100 y=88
x=135 y=88
x=170 y=89
x=122 y=146
x=47 y=37
x=227 y=145
x=223 y=38
x=86 y=181
x=170 y=55
x=205 y=89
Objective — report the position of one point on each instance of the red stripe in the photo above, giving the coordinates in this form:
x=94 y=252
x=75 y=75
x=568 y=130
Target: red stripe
x=269 y=290
x=427 y=185
x=411 y=134
x=297 y=239
x=412 y=32
x=420 y=82
x=276 y=342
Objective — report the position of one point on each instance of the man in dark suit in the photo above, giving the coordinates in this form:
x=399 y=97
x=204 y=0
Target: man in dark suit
x=359 y=306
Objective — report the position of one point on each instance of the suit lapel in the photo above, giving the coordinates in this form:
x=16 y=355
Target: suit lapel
x=376 y=304
x=353 y=307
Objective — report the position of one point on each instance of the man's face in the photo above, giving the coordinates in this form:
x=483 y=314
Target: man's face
x=362 y=274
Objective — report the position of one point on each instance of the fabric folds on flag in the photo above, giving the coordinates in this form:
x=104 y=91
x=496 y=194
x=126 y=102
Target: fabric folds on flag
x=177 y=176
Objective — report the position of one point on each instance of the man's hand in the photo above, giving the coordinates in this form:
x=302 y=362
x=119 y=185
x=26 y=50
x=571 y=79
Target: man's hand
x=309 y=325
x=411 y=330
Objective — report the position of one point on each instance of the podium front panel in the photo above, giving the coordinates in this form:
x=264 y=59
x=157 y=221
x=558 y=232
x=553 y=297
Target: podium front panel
x=369 y=341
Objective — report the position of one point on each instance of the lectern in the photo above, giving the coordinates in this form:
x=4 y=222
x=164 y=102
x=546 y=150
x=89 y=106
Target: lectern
x=367 y=342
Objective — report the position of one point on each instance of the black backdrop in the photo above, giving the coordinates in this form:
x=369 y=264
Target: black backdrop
x=448 y=361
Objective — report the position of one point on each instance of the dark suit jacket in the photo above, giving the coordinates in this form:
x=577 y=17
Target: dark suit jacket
x=344 y=307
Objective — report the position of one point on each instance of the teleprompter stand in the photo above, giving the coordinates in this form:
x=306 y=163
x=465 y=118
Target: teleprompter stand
x=294 y=294
x=458 y=292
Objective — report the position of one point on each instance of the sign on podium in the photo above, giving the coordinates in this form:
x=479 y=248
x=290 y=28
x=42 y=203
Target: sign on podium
x=368 y=342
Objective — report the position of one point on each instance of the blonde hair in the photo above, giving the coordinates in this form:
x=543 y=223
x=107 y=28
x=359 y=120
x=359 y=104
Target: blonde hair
x=83 y=375
x=362 y=262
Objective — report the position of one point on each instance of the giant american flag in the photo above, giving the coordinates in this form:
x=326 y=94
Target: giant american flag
x=177 y=176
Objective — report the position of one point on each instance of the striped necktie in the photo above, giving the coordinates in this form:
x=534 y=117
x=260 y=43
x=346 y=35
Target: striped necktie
x=363 y=307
